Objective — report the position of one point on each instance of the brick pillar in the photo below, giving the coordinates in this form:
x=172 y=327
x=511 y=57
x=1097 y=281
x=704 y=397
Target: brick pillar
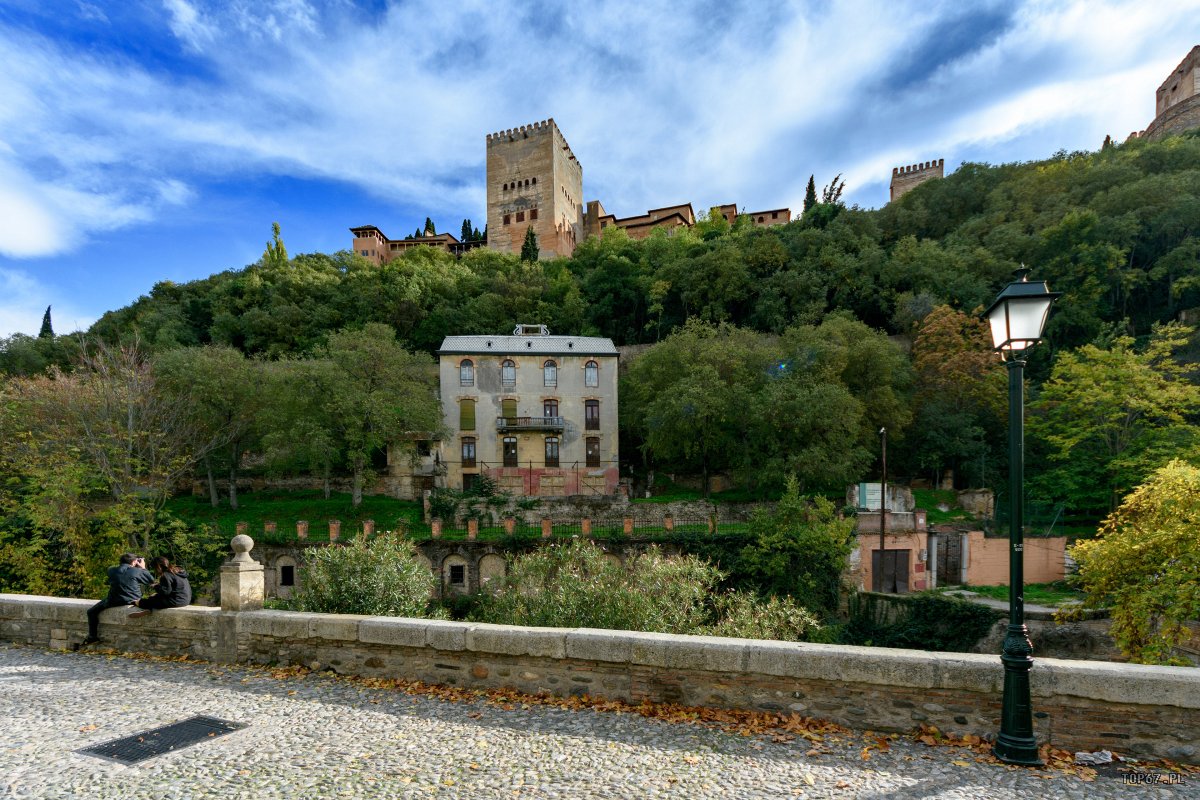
x=242 y=584
x=585 y=525
x=510 y=525
x=335 y=529
x=547 y=528
x=301 y=529
x=472 y=529
x=368 y=528
x=269 y=528
x=243 y=528
x=435 y=528
x=627 y=525
x=668 y=523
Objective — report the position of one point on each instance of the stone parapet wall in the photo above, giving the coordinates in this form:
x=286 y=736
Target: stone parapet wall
x=1142 y=711
x=1181 y=117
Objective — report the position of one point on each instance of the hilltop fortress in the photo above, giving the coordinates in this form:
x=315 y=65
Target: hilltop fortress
x=535 y=181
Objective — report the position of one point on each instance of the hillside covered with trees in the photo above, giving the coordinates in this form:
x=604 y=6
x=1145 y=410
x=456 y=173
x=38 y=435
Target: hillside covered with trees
x=785 y=348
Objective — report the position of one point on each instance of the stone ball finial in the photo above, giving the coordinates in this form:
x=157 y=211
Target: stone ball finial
x=242 y=545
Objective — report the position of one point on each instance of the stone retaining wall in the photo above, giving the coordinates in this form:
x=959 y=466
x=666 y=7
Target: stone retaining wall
x=1143 y=711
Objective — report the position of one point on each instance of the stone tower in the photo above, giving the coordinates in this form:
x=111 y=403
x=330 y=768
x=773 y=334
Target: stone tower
x=905 y=179
x=533 y=180
x=1177 y=101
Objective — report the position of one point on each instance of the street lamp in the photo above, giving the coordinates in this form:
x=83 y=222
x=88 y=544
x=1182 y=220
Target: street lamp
x=1016 y=319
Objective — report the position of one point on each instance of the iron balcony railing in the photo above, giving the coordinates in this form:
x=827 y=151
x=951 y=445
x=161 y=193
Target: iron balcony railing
x=530 y=423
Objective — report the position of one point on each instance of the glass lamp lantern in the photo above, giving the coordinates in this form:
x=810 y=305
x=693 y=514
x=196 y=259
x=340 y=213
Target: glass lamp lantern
x=1019 y=313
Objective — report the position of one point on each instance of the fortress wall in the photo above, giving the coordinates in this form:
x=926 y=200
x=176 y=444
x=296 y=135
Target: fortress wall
x=1181 y=117
x=905 y=179
x=1141 y=711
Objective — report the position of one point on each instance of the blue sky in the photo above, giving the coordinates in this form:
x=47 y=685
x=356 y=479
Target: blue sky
x=150 y=140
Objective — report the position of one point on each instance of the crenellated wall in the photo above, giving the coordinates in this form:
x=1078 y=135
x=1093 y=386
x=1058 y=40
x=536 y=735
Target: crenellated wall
x=905 y=179
x=1141 y=711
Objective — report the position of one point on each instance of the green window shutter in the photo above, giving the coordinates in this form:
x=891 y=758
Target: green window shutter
x=466 y=415
x=508 y=408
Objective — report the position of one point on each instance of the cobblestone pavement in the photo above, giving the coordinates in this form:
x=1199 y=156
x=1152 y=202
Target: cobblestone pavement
x=318 y=737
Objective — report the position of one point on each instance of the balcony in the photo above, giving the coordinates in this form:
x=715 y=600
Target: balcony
x=530 y=424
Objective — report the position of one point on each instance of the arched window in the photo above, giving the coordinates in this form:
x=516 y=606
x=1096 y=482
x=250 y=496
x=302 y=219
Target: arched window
x=591 y=374
x=508 y=372
x=550 y=373
x=510 y=451
x=466 y=373
x=551 y=451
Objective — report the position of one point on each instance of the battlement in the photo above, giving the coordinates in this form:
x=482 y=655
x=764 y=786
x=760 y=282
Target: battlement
x=907 y=178
x=535 y=129
x=922 y=167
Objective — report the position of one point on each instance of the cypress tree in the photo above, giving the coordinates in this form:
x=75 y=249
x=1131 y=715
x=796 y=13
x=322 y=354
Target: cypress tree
x=47 y=331
x=529 y=250
x=430 y=230
x=810 y=195
x=476 y=236
x=466 y=231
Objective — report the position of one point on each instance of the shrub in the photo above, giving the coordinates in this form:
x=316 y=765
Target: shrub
x=381 y=576
x=923 y=621
x=575 y=585
x=746 y=615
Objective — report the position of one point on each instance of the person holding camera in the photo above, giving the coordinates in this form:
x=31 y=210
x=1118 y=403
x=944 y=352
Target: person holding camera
x=172 y=589
x=125 y=582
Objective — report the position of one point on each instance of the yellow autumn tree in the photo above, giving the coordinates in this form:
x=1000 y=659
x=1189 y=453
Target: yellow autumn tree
x=1145 y=565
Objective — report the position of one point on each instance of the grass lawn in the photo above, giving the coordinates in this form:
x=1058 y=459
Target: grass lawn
x=929 y=499
x=285 y=508
x=1042 y=594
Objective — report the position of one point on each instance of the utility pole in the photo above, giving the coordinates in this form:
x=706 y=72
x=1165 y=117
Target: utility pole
x=882 y=508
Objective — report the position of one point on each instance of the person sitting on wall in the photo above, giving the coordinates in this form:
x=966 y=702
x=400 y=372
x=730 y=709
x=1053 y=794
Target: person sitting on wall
x=125 y=582
x=171 y=591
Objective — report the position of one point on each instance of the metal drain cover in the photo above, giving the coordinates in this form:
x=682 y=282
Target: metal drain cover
x=158 y=741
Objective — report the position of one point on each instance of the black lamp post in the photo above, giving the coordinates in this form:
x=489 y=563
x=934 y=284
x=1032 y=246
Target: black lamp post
x=1016 y=318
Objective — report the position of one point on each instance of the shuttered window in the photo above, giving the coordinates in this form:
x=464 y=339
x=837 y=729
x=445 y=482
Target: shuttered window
x=466 y=415
x=508 y=408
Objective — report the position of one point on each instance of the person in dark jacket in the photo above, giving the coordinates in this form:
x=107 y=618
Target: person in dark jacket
x=171 y=591
x=125 y=582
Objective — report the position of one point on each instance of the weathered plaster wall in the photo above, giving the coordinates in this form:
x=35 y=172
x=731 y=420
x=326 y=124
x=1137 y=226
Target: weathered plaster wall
x=1138 y=710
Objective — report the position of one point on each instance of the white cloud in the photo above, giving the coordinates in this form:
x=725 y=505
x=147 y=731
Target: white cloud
x=724 y=103
x=189 y=24
x=23 y=301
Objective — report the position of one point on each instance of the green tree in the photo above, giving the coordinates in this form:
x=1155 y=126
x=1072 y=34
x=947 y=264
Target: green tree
x=465 y=234
x=275 y=254
x=960 y=401
x=1110 y=416
x=47 y=329
x=529 y=248
x=810 y=194
x=225 y=391
x=1145 y=565
x=430 y=229
x=798 y=550
x=300 y=431
x=380 y=392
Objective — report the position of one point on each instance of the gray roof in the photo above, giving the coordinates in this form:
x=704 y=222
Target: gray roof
x=539 y=345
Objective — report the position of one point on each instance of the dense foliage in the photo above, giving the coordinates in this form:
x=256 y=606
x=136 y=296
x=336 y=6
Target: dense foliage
x=380 y=576
x=791 y=371
x=1145 y=564
x=576 y=584
x=923 y=621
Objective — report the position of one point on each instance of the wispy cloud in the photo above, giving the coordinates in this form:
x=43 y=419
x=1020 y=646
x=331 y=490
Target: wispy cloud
x=709 y=103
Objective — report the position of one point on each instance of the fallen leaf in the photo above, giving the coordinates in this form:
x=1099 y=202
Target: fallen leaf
x=809 y=779
x=960 y=763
